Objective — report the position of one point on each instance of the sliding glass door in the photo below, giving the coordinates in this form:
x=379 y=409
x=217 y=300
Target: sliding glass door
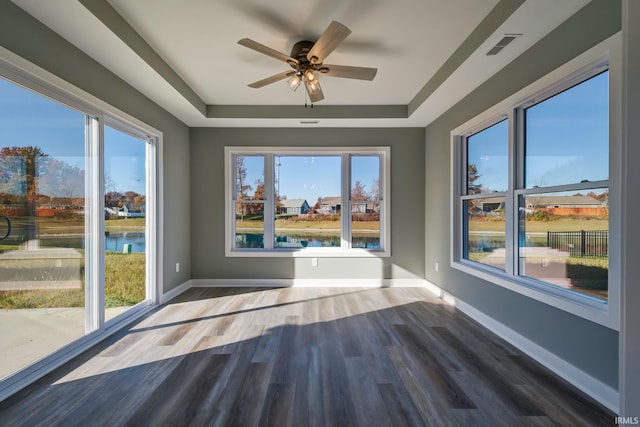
x=42 y=206
x=73 y=224
x=125 y=206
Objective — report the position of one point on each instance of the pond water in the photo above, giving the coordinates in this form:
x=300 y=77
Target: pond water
x=113 y=241
x=306 y=240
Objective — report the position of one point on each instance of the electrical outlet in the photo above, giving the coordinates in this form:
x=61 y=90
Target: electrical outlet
x=436 y=266
x=314 y=262
x=177 y=267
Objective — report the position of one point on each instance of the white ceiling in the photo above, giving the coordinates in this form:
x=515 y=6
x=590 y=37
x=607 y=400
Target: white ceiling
x=407 y=40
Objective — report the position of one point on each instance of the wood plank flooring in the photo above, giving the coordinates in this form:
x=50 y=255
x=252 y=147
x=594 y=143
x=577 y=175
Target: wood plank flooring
x=303 y=357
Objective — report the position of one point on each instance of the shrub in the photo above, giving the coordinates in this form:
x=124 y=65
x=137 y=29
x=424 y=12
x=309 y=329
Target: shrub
x=542 y=216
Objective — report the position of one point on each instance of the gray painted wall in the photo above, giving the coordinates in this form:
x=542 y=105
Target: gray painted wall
x=590 y=347
x=207 y=213
x=28 y=38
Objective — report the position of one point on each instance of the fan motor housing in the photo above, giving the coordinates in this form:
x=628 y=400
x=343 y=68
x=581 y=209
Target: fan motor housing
x=299 y=52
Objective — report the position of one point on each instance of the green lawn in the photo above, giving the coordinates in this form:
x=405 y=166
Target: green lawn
x=119 y=224
x=74 y=225
x=124 y=286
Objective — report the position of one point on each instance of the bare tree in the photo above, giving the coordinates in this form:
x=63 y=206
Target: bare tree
x=358 y=192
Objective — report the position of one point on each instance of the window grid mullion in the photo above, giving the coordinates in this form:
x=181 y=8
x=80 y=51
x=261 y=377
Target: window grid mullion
x=511 y=208
x=269 y=201
x=485 y=195
x=345 y=239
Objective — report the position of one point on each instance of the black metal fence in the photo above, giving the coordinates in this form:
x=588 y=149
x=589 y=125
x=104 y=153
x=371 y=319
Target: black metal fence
x=585 y=244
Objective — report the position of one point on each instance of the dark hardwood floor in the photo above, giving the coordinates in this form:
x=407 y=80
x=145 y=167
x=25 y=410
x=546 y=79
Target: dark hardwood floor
x=303 y=357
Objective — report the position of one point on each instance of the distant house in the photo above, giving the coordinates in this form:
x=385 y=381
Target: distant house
x=551 y=202
x=294 y=207
x=136 y=211
x=359 y=206
x=330 y=205
x=569 y=205
x=490 y=204
x=364 y=207
x=559 y=205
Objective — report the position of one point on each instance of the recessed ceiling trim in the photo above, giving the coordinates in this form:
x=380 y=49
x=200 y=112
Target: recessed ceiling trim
x=119 y=26
x=102 y=10
x=301 y=112
x=190 y=107
x=498 y=15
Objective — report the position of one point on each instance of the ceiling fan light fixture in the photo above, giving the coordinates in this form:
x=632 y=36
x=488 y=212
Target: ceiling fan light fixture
x=309 y=75
x=294 y=81
x=312 y=86
x=313 y=89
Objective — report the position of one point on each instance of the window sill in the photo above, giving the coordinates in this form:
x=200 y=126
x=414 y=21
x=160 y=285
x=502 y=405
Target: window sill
x=307 y=253
x=592 y=309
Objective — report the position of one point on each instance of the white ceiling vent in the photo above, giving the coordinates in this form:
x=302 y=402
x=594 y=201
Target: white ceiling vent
x=508 y=38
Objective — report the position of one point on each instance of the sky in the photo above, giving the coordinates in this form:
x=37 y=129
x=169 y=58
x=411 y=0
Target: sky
x=29 y=119
x=311 y=177
x=567 y=140
x=124 y=164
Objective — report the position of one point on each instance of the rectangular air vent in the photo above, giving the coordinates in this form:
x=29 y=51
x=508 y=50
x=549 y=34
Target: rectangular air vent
x=508 y=38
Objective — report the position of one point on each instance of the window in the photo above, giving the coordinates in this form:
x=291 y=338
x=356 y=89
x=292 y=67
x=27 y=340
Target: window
x=532 y=192
x=563 y=212
x=307 y=201
x=485 y=201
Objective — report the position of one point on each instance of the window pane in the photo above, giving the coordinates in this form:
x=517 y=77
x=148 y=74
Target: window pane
x=564 y=239
x=249 y=175
x=365 y=224
x=125 y=204
x=487 y=164
x=567 y=136
x=249 y=225
x=485 y=226
x=365 y=177
x=308 y=201
x=365 y=209
x=42 y=197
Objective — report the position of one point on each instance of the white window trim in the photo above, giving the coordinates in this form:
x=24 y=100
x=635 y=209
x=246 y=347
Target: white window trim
x=345 y=250
x=595 y=310
x=35 y=78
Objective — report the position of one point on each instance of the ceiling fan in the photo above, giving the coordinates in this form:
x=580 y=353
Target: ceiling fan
x=307 y=60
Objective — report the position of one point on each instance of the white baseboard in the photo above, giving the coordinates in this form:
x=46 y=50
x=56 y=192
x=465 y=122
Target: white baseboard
x=172 y=293
x=309 y=283
x=601 y=392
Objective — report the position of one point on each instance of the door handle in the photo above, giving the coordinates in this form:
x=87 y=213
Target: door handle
x=8 y=233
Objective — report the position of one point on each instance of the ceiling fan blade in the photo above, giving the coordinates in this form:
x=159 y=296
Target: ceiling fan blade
x=328 y=41
x=267 y=51
x=272 y=79
x=346 y=72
